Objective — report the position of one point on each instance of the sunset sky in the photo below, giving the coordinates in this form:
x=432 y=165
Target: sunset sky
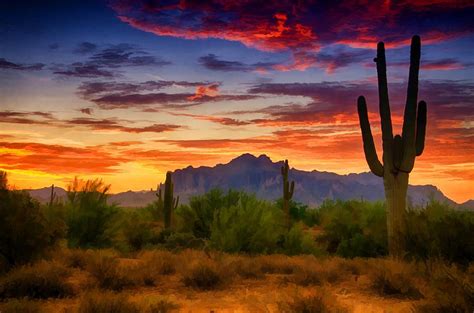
x=126 y=90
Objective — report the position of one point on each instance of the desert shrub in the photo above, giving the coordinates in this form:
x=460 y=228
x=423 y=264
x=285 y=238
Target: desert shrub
x=249 y=226
x=106 y=302
x=245 y=267
x=276 y=264
x=161 y=306
x=177 y=240
x=159 y=262
x=451 y=290
x=394 y=278
x=439 y=231
x=40 y=280
x=137 y=232
x=321 y=303
x=197 y=217
x=75 y=258
x=204 y=275
x=21 y=306
x=300 y=212
x=296 y=242
x=25 y=234
x=107 y=272
x=354 y=228
x=89 y=217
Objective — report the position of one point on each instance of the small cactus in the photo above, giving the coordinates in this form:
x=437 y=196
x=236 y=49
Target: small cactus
x=399 y=152
x=288 y=189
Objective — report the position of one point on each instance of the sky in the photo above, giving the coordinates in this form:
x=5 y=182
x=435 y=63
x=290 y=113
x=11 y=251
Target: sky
x=127 y=90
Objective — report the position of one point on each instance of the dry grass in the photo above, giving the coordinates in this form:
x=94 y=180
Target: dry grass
x=321 y=302
x=44 y=279
x=21 y=306
x=204 y=275
x=106 y=302
x=108 y=273
x=394 y=278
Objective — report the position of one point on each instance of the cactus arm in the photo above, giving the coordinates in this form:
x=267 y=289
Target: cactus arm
x=176 y=203
x=369 y=147
x=397 y=151
x=384 y=106
x=409 y=118
x=420 y=128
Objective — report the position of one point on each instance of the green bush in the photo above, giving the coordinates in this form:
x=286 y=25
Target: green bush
x=441 y=232
x=89 y=217
x=354 y=228
x=40 y=280
x=197 y=217
x=137 y=232
x=296 y=241
x=24 y=230
x=249 y=225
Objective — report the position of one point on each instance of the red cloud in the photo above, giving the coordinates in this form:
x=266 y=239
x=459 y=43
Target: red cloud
x=205 y=91
x=300 y=27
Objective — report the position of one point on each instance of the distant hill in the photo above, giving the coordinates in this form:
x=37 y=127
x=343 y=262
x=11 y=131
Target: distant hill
x=261 y=176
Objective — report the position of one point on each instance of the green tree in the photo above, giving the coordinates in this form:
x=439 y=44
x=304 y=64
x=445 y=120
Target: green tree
x=89 y=217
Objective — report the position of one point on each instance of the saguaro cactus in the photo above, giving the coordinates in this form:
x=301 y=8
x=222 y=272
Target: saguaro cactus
x=170 y=203
x=399 y=152
x=52 y=196
x=288 y=189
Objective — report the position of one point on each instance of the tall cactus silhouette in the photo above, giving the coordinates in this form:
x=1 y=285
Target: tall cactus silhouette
x=52 y=196
x=169 y=203
x=399 y=152
x=288 y=189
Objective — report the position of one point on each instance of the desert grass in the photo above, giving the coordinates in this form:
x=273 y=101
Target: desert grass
x=319 y=302
x=44 y=279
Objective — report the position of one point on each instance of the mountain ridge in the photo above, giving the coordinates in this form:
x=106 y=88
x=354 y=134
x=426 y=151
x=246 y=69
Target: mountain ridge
x=261 y=176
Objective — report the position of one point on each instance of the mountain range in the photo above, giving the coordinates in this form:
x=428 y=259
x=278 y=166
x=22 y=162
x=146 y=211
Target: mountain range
x=260 y=175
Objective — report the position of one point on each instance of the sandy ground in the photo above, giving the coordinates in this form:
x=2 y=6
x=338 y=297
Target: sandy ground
x=249 y=295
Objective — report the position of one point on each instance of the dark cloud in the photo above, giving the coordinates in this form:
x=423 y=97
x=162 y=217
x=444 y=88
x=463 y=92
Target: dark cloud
x=445 y=64
x=87 y=111
x=47 y=119
x=4 y=64
x=85 y=70
x=212 y=62
x=329 y=101
x=85 y=47
x=112 y=95
x=106 y=62
x=300 y=27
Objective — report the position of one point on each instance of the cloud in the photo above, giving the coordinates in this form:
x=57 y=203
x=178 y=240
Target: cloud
x=7 y=65
x=212 y=62
x=301 y=27
x=105 y=62
x=446 y=64
x=57 y=158
x=84 y=70
x=87 y=111
x=227 y=121
x=113 y=95
x=111 y=124
x=85 y=47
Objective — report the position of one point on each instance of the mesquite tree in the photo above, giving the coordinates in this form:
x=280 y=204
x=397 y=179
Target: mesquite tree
x=399 y=152
x=288 y=189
